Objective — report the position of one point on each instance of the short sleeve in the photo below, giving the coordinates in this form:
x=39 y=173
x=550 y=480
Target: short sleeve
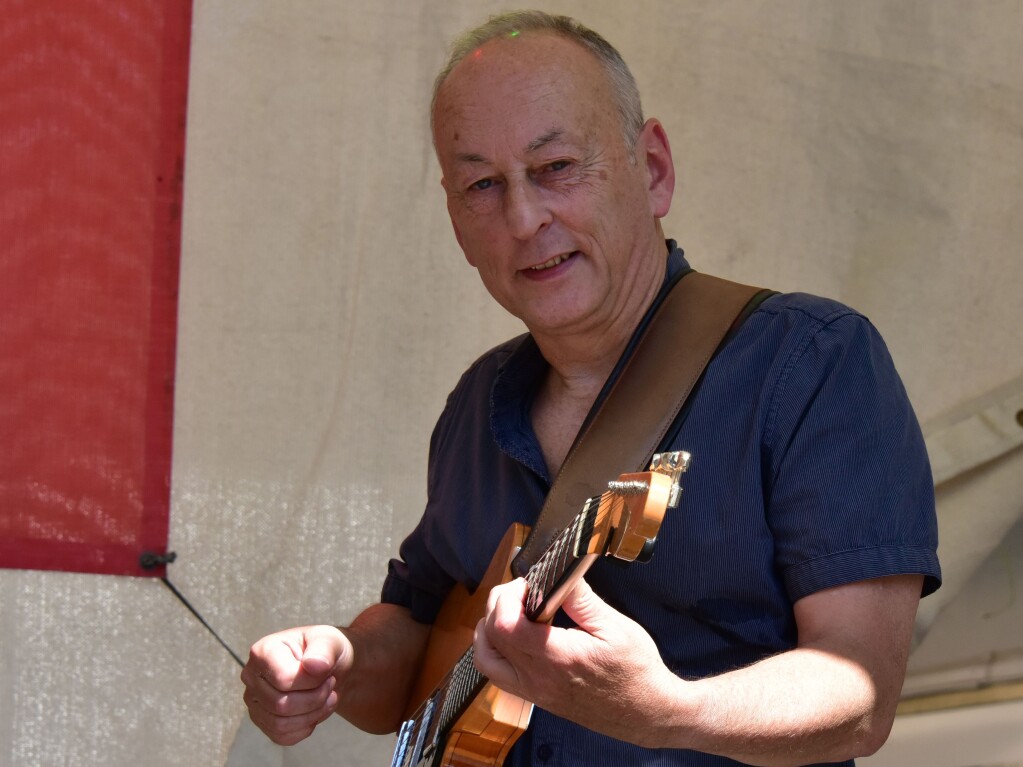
x=415 y=579
x=850 y=493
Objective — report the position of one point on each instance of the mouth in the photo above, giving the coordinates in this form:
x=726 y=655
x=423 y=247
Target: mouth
x=551 y=263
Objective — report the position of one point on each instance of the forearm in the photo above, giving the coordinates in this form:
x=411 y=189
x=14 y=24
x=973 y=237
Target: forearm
x=831 y=698
x=387 y=648
x=800 y=707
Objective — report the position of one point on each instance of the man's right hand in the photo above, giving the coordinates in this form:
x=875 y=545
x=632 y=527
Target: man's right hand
x=290 y=679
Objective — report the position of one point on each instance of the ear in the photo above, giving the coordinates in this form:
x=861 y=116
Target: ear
x=454 y=226
x=653 y=149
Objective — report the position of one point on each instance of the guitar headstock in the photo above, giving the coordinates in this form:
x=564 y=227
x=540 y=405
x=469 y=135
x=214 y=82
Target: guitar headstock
x=623 y=522
x=637 y=504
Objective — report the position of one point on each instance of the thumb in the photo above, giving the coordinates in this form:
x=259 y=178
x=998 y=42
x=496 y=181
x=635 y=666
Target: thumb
x=589 y=612
x=322 y=652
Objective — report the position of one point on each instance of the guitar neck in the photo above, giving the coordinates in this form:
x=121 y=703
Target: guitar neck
x=419 y=737
x=551 y=579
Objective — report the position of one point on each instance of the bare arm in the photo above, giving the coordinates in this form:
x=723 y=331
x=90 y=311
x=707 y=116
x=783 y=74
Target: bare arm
x=297 y=678
x=388 y=646
x=832 y=697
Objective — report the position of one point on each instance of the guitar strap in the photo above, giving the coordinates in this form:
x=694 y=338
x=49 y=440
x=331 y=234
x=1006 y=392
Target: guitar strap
x=642 y=404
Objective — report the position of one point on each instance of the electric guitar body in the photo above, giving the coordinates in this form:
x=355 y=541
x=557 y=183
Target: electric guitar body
x=493 y=720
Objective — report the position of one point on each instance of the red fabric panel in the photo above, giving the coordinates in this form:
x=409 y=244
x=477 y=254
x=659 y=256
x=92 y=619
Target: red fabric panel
x=92 y=115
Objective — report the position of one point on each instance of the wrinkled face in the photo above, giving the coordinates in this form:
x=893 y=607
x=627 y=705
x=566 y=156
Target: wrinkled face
x=546 y=200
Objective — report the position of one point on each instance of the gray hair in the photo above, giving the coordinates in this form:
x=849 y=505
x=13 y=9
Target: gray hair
x=623 y=86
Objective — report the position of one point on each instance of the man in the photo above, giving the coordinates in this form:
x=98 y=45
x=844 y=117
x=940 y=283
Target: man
x=772 y=625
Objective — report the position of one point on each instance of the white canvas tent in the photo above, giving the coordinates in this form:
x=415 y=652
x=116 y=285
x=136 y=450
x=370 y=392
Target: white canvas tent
x=869 y=151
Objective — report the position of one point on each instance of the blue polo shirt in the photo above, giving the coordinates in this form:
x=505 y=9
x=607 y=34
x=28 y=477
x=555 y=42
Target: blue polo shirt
x=809 y=471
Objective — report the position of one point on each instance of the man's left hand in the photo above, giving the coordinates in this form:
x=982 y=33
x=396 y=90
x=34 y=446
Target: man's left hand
x=604 y=674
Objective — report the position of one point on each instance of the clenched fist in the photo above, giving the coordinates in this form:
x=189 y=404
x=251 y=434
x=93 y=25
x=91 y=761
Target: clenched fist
x=290 y=680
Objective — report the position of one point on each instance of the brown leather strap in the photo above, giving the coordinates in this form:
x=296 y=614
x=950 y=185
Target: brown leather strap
x=651 y=389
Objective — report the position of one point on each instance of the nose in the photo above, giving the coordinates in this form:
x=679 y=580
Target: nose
x=525 y=208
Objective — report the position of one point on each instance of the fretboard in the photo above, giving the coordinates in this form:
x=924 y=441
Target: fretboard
x=559 y=559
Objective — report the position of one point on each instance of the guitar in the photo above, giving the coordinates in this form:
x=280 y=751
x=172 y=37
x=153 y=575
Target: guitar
x=459 y=719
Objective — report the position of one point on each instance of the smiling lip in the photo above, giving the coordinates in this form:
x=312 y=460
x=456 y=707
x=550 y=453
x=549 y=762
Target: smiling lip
x=551 y=263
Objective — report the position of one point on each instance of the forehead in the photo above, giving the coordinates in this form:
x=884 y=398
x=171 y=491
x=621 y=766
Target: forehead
x=516 y=89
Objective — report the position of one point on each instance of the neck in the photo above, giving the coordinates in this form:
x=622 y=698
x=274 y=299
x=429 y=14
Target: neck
x=582 y=357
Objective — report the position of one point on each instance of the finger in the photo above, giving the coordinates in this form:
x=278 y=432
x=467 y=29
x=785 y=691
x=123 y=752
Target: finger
x=286 y=711
x=507 y=632
x=289 y=729
x=258 y=681
x=490 y=662
x=272 y=661
x=505 y=609
x=263 y=695
x=514 y=590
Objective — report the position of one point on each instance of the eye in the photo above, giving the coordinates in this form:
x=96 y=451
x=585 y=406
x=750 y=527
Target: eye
x=481 y=185
x=558 y=165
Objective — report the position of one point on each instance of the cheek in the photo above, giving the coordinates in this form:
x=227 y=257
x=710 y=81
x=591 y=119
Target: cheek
x=477 y=248
x=466 y=229
x=478 y=233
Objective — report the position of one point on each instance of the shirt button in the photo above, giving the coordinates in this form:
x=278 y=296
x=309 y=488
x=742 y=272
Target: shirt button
x=544 y=753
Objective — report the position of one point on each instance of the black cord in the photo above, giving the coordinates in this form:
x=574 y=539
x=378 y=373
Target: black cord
x=149 y=561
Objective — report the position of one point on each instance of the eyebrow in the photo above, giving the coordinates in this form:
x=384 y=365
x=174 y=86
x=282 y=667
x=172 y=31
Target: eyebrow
x=476 y=158
x=549 y=137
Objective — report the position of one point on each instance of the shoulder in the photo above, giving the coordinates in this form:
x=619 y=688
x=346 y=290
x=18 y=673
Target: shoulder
x=804 y=310
x=485 y=369
x=469 y=404
x=788 y=326
x=799 y=352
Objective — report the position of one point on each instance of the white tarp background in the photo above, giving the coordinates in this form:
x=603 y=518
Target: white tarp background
x=870 y=151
